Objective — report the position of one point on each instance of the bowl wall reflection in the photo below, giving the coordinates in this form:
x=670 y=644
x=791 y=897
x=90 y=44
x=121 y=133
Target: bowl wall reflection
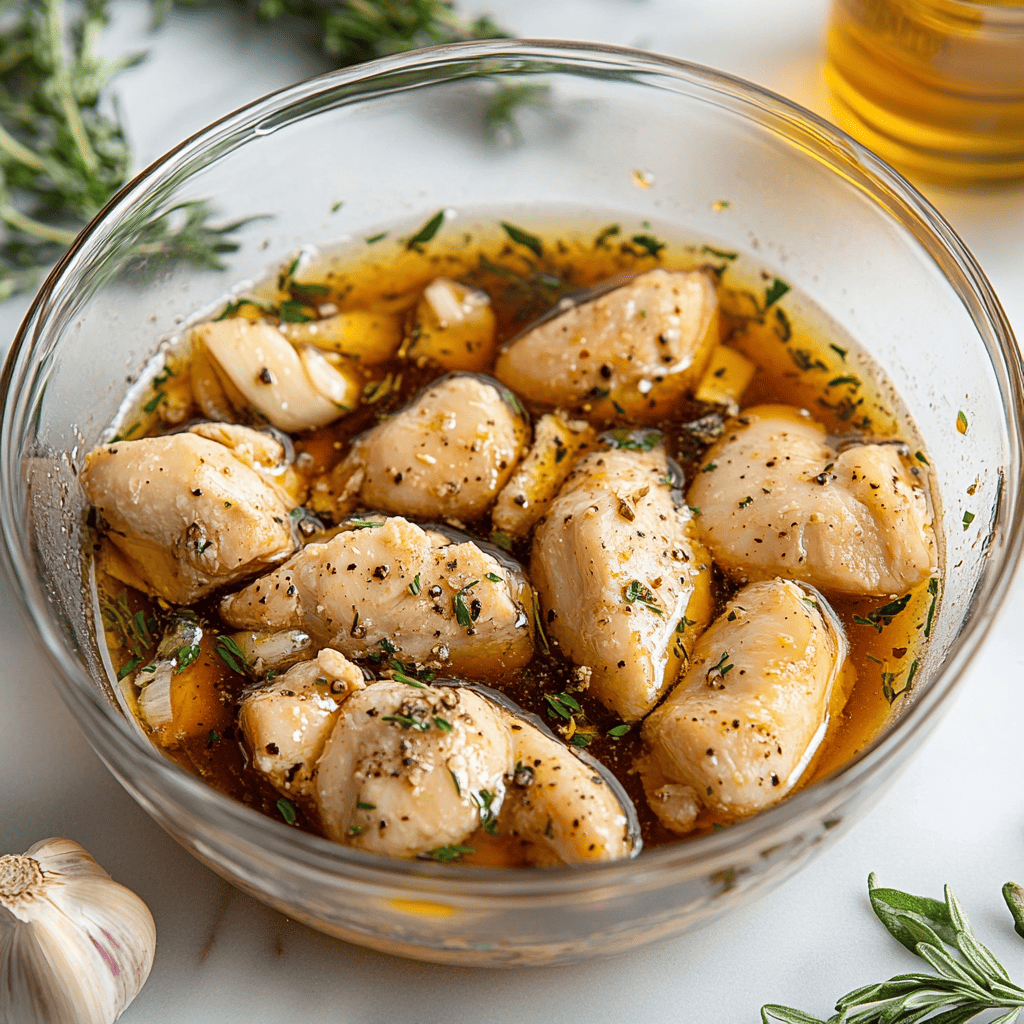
x=621 y=132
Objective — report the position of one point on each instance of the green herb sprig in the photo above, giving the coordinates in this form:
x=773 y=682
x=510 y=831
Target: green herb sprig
x=968 y=980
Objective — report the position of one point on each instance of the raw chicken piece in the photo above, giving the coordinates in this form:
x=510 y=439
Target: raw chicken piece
x=744 y=721
x=634 y=350
x=558 y=444
x=286 y=722
x=571 y=812
x=777 y=500
x=187 y=516
x=623 y=584
x=408 y=770
x=444 y=456
x=430 y=600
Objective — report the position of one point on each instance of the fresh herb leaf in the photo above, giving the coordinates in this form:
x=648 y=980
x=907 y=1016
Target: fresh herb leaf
x=883 y=615
x=650 y=245
x=426 y=233
x=373 y=239
x=933 y=590
x=618 y=731
x=187 y=656
x=128 y=667
x=447 y=854
x=414 y=587
x=961 y=422
x=920 y=456
x=292 y=312
x=462 y=614
x=841 y=352
x=362 y=806
x=601 y=241
x=1014 y=896
x=442 y=723
x=968 y=979
x=230 y=654
x=774 y=292
x=287 y=810
x=720 y=253
x=521 y=237
x=493 y=577
x=637 y=593
x=363 y=524
x=968 y=519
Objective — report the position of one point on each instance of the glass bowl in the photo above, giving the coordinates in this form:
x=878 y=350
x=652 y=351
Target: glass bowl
x=622 y=133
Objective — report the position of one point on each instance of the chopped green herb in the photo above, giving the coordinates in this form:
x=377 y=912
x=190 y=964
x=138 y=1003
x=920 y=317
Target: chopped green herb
x=447 y=854
x=683 y=623
x=521 y=237
x=581 y=739
x=462 y=615
x=407 y=722
x=920 y=456
x=720 y=253
x=746 y=501
x=442 y=723
x=335 y=207
x=961 y=422
x=229 y=653
x=154 y=402
x=360 y=805
x=426 y=233
x=402 y=677
x=883 y=615
x=561 y=704
x=128 y=667
x=494 y=577
x=933 y=590
x=414 y=587
x=363 y=524
x=618 y=731
x=854 y=381
x=650 y=245
x=710 y=467
x=488 y=818
x=187 y=656
x=841 y=352
x=388 y=645
x=379 y=237
x=287 y=809
x=212 y=739
x=293 y=312
x=694 y=511
x=637 y=593
x=455 y=782
x=355 y=830
x=723 y=666
x=537 y=621
x=609 y=232
x=774 y=292
x=968 y=519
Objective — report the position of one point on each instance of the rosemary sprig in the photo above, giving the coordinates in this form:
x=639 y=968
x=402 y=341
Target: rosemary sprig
x=63 y=151
x=968 y=979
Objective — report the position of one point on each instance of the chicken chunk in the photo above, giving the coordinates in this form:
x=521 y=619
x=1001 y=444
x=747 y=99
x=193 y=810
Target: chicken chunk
x=558 y=444
x=742 y=725
x=286 y=722
x=444 y=456
x=634 y=350
x=409 y=770
x=624 y=586
x=569 y=811
x=186 y=515
x=777 y=499
x=387 y=584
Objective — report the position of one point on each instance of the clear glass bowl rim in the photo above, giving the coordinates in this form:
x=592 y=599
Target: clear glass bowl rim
x=129 y=754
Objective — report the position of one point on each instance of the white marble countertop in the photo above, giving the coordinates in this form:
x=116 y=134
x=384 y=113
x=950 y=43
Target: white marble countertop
x=957 y=815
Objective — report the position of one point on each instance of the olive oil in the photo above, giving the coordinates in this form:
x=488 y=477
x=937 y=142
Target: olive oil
x=936 y=87
x=801 y=361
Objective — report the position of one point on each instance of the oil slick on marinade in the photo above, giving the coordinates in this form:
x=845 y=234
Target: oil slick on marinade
x=373 y=331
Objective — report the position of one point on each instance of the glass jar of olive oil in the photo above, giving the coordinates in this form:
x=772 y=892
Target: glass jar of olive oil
x=936 y=87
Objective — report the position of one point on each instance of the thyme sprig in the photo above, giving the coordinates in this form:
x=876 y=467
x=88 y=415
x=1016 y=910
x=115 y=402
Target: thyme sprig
x=968 y=980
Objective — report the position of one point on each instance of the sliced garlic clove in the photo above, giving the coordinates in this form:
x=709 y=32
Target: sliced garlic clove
x=75 y=946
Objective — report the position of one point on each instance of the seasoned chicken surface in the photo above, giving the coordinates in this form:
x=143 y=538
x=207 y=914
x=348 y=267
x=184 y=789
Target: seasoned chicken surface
x=287 y=721
x=385 y=584
x=407 y=770
x=623 y=583
x=186 y=515
x=744 y=721
x=444 y=456
x=558 y=444
x=561 y=806
x=777 y=500
x=631 y=351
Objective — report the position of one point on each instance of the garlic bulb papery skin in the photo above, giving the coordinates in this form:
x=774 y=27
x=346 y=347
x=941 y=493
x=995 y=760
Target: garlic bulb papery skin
x=75 y=946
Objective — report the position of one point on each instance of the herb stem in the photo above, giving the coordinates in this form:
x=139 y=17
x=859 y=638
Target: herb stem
x=20 y=222
x=16 y=151
x=62 y=85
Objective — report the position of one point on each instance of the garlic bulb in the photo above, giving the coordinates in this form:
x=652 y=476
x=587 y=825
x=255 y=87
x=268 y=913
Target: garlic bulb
x=75 y=946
